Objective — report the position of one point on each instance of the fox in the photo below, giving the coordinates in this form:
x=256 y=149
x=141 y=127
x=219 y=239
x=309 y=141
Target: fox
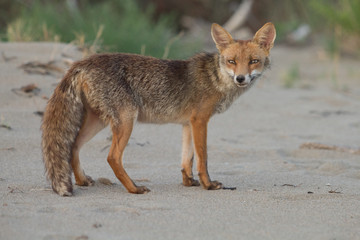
x=120 y=89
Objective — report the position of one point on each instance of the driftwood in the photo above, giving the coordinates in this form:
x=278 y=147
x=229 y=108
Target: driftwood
x=2 y=125
x=29 y=90
x=329 y=147
x=36 y=67
x=6 y=58
x=105 y=181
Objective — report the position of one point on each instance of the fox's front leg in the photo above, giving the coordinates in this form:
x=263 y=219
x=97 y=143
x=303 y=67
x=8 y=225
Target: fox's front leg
x=187 y=158
x=199 y=131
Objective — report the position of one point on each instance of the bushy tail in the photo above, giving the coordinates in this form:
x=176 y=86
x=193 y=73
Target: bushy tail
x=61 y=123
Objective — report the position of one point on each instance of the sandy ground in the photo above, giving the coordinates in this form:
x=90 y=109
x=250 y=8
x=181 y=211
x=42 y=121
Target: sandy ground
x=283 y=191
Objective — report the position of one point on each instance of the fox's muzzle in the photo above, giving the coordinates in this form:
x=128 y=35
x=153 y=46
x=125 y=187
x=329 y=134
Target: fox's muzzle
x=240 y=79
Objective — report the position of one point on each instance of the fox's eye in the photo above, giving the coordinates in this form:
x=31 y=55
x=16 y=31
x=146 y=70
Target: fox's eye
x=231 y=61
x=254 y=61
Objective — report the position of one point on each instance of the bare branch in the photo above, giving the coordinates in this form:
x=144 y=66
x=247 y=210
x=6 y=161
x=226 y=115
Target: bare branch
x=240 y=16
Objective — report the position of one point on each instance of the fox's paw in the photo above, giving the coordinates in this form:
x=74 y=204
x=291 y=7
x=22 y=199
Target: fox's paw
x=140 y=190
x=189 y=181
x=214 y=185
x=88 y=181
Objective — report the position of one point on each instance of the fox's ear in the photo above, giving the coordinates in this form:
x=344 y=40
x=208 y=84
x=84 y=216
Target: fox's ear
x=265 y=36
x=220 y=36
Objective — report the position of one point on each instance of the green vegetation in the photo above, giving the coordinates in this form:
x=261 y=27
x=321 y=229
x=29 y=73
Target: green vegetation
x=340 y=21
x=337 y=23
x=106 y=25
x=345 y=14
x=292 y=76
x=132 y=25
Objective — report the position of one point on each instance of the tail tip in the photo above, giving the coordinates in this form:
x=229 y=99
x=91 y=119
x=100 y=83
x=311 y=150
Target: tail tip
x=65 y=193
x=64 y=190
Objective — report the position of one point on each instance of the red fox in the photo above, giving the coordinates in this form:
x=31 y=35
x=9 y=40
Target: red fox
x=120 y=89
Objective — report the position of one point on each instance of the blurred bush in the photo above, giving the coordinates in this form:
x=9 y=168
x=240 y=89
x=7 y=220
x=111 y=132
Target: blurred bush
x=119 y=25
x=151 y=27
x=8 y=10
x=340 y=21
x=335 y=23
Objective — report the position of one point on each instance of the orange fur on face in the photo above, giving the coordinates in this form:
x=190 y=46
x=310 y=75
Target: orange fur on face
x=244 y=61
x=238 y=56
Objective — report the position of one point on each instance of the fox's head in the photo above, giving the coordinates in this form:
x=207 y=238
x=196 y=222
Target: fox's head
x=244 y=61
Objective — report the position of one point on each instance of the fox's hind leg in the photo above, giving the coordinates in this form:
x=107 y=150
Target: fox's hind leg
x=90 y=127
x=187 y=158
x=122 y=129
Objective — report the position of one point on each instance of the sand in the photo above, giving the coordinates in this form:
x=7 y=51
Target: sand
x=283 y=191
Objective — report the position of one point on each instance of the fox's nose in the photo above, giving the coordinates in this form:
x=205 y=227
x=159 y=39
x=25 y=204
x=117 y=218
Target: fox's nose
x=240 y=78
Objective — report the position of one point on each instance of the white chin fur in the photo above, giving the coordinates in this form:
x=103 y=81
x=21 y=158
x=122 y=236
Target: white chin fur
x=241 y=85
